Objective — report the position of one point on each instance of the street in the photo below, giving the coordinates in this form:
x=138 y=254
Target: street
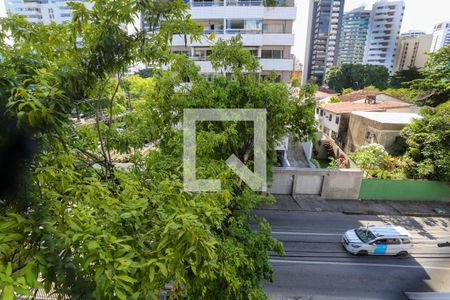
x=317 y=267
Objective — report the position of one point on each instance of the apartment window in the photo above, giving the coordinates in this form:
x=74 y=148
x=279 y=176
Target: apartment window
x=201 y=54
x=51 y=16
x=321 y=112
x=244 y=26
x=65 y=15
x=330 y=117
x=274 y=27
x=271 y=53
x=50 y=10
x=186 y=52
x=337 y=120
x=254 y=52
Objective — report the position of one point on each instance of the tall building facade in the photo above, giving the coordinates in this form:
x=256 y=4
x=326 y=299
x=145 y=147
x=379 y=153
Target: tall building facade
x=265 y=31
x=43 y=11
x=352 y=42
x=441 y=36
x=411 y=50
x=385 y=23
x=325 y=21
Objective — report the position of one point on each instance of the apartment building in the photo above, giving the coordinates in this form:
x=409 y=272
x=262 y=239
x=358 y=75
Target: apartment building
x=441 y=36
x=411 y=50
x=2 y=9
x=43 y=11
x=325 y=21
x=384 y=30
x=265 y=28
x=355 y=27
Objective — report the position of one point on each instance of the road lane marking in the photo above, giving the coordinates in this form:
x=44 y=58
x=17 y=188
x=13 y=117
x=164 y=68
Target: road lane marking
x=313 y=262
x=305 y=233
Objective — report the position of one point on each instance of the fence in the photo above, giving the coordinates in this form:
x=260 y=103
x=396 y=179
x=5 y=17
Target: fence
x=379 y=189
x=328 y=183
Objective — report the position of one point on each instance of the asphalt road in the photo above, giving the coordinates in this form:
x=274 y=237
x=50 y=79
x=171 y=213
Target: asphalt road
x=317 y=267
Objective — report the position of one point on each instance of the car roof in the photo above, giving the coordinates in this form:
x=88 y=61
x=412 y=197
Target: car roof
x=389 y=230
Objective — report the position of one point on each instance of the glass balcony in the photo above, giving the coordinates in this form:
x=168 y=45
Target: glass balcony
x=203 y=3
x=244 y=3
x=216 y=31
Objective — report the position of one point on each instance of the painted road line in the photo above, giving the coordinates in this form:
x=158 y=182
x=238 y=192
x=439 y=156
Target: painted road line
x=312 y=262
x=305 y=233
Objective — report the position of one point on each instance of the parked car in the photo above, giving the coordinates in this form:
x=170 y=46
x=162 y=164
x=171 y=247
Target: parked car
x=378 y=240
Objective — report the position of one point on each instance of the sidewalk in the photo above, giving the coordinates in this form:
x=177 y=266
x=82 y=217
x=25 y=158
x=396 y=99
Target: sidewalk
x=314 y=203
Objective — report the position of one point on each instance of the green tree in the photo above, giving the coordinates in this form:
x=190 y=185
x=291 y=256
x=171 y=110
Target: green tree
x=347 y=91
x=295 y=82
x=436 y=81
x=370 y=158
x=334 y=99
x=79 y=225
x=428 y=140
x=403 y=78
x=356 y=77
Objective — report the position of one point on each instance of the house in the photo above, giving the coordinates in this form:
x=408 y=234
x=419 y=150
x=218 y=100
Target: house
x=376 y=127
x=333 y=118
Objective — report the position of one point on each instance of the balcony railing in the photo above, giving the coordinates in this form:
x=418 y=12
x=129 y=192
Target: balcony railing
x=276 y=3
x=244 y=3
x=206 y=3
x=221 y=31
x=244 y=31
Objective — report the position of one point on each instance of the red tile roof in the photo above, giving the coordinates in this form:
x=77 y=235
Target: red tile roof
x=357 y=95
x=347 y=107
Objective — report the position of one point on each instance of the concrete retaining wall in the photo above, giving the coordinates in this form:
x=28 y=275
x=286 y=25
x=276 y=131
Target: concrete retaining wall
x=328 y=183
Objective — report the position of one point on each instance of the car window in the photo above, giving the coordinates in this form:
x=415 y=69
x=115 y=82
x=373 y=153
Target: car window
x=393 y=241
x=406 y=241
x=381 y=242
x=364 y=234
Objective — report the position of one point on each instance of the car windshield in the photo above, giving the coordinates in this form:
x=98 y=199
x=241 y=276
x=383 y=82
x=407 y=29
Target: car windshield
x=364 y=234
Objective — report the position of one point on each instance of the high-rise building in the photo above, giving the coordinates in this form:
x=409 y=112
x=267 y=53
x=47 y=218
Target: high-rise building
x=384 y=30
x=412 y=33
x=411 y=50
x=2 y=9
x=441 y=36
x=352 y=42
x=43 y=11
x=325 y=20
x=265 y=31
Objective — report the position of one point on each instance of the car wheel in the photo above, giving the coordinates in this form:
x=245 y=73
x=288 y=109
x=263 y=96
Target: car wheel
x=362 y=253
x=402 y=254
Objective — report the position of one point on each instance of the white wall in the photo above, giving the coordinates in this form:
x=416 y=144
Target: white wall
x=325 y=121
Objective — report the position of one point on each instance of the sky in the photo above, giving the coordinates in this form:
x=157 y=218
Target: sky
x=419 y=15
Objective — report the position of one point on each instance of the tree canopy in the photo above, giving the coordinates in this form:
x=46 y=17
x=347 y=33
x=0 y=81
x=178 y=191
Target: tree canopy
x=428 y=140
x=436 y=81
x=356 y=77
x=98 y=210
x=403 y=78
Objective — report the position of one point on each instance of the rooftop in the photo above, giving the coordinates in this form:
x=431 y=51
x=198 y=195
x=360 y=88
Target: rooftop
x=388 y=230
x=388 y=117
x=348 y=107
x=357 y=95
x=322 y=95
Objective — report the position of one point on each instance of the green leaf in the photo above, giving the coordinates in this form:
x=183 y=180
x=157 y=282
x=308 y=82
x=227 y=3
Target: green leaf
x=8 y=293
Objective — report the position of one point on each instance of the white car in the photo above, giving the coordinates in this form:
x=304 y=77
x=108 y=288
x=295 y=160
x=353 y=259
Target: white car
x=378 y=240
